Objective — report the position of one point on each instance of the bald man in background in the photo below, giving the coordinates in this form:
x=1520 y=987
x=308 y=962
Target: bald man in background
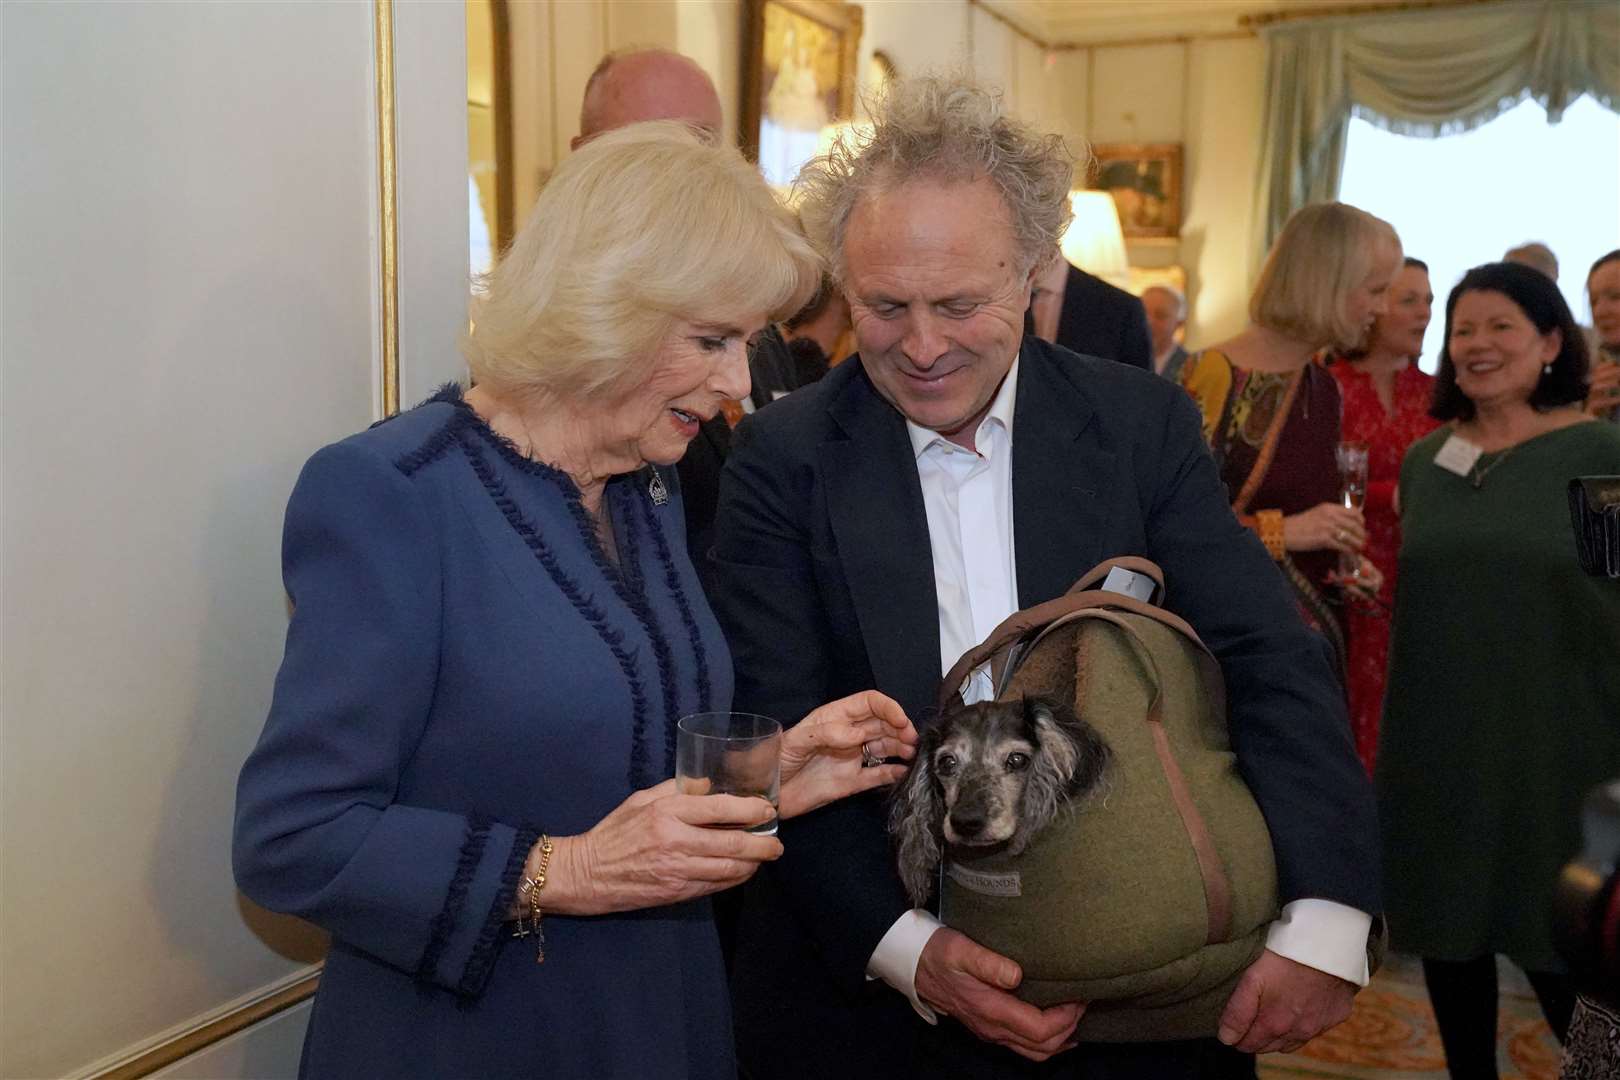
x=1536 y=255
x=631 y=86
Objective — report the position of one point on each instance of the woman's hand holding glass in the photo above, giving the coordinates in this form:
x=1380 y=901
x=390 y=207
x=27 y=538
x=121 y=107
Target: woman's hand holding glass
x=658 y=847
x=1603 y=389
x=661 y=847
x=1325 y=527
x=1365 y=584
x=823 y=754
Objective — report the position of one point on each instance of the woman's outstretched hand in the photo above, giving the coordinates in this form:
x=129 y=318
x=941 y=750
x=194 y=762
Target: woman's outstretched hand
x=823 y=754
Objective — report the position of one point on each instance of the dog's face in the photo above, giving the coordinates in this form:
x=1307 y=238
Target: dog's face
x=982 y=766
x=989 y=774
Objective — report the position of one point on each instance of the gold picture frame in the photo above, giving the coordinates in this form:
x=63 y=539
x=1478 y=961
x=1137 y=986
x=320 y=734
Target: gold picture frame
x=799 y=78
x=1145 y=181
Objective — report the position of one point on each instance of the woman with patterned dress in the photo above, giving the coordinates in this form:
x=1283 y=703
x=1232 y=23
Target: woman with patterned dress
x=1271 y=415
x=1386 y=406
x=495 y=628
x=1504 y=687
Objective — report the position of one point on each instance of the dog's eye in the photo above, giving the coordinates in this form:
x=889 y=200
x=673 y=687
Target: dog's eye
x=945 y=764
x=1017 y=761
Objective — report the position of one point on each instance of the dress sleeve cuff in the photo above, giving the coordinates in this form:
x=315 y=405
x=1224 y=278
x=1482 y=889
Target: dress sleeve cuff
x=895 y=958
x=468 y=930
x=1327 y=936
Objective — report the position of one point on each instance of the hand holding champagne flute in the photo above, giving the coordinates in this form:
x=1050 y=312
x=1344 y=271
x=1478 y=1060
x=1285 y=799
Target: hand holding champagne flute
x=1354 y=570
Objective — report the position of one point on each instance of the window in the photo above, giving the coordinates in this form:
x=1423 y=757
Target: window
x=1462 y=200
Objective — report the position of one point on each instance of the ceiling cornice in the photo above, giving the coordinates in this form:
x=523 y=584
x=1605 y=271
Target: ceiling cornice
x=1060 y=25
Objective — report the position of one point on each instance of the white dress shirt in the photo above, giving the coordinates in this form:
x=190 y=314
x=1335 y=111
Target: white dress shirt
x=967 y=496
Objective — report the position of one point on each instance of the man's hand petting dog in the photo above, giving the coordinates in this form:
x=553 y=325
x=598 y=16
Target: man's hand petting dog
x=969 y=982
x=1280 y=1005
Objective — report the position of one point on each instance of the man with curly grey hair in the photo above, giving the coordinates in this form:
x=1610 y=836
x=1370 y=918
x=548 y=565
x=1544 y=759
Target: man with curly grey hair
x=876 y=526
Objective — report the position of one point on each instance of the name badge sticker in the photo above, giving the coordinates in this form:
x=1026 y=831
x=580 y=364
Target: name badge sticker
x=1458 y=456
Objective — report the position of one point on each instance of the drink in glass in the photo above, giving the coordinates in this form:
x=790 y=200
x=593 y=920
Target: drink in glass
x=1352 y=458
x=729 y=753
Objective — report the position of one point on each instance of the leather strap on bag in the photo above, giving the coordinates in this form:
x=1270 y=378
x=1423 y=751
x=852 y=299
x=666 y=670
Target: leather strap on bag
x=1217 y=889
x=1021 y=623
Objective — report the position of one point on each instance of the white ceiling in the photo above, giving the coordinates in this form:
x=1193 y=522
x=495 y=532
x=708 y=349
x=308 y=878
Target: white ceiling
x=1087 y=22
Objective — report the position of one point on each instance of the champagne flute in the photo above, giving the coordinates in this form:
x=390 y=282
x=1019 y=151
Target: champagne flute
x=1352 y=459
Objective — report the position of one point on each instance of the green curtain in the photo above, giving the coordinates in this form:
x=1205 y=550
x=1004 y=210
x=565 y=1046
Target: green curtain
x=1425 y=73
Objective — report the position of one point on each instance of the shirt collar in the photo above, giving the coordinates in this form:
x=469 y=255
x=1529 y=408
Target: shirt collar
x=1001 y=413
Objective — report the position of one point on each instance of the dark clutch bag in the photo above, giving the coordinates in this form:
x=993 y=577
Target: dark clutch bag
x=1594 y=510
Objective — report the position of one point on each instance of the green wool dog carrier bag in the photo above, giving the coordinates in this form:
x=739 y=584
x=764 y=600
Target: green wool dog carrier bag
x=1148 y=898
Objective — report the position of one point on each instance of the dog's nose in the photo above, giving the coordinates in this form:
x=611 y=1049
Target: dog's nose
x=968 y=825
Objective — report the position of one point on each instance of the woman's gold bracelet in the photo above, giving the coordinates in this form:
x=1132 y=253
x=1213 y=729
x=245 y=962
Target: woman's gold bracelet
x=529 y=891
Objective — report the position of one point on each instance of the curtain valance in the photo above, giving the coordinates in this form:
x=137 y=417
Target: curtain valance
x=1425 y=73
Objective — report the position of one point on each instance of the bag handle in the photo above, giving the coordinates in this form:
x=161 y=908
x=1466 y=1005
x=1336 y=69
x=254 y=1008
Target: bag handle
x=1020 y=623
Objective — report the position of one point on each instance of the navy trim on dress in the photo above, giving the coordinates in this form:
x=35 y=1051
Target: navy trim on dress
x=491 y=935
x=444 y=923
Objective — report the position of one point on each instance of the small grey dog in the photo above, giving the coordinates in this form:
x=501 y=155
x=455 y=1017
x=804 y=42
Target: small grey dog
x=987 y=775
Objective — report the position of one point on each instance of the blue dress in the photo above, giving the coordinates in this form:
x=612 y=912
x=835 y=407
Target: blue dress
x=464 y=670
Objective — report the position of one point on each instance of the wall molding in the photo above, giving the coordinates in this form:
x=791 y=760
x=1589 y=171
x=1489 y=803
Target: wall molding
x=387 y=204
x=1248 y=26
x=1269 y=18
x=204 y=1031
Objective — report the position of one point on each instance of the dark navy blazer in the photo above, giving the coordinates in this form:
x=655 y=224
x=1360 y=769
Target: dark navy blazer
x=826 y=587
x=1099 y=319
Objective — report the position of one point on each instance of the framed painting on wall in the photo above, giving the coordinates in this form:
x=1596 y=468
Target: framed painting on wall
x=799 y=76
x=1145 y=181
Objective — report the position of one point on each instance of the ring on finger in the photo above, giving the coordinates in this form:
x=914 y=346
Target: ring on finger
x=869 y=760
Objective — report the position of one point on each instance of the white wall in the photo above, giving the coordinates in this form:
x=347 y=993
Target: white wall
x=1221 y=156
x=190 y=307
x=1208 y=95
x=1205 y=93
x=918 y=35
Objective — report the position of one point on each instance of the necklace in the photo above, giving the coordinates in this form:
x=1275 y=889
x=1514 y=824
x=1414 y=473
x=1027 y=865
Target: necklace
x=1477 y=475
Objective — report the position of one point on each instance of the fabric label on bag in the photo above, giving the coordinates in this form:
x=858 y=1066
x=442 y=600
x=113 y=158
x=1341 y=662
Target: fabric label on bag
x=1002 y=884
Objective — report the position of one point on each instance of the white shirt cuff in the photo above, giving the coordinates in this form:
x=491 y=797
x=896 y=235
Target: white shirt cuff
x=1324 y=935
x=895 y=958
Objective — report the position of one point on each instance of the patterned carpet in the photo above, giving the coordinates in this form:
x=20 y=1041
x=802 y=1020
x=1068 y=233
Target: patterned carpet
x=1391 y=1035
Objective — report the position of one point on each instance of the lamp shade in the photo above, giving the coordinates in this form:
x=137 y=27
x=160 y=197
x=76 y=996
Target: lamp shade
x=1094 y=241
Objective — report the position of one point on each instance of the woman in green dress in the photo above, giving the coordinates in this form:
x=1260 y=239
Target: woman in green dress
x=1503 y=707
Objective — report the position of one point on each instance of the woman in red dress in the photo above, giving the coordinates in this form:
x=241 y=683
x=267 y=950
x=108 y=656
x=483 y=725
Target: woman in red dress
x=1386 y=406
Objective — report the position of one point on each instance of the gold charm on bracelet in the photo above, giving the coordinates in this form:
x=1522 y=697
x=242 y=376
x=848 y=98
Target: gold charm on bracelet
x=529 y=891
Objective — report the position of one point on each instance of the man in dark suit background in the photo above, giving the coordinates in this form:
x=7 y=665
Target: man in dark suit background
x=874 y=526
x=1085 y=314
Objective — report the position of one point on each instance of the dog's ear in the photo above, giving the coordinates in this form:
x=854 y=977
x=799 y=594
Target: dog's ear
x=917 y=820
x=1077 y=751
